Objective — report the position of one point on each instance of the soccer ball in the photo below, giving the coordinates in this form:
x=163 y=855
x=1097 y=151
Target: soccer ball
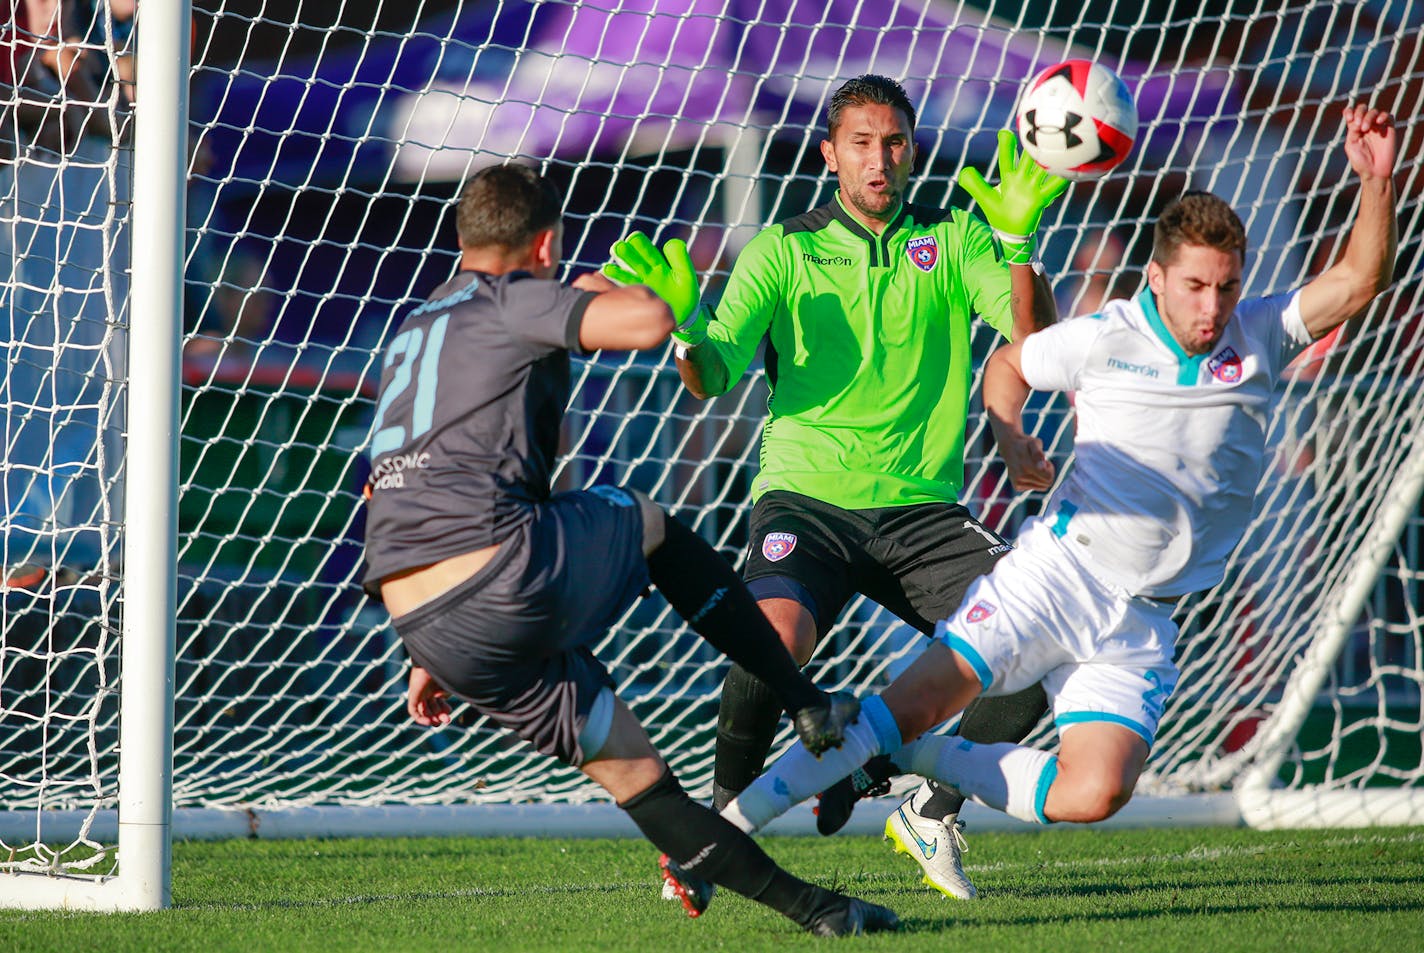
x=1077 y=119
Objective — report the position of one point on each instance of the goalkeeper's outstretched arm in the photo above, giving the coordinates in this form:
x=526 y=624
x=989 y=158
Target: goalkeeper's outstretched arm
x=669 y=273
x=1032 y=301
x=702 y=370
x=1013 y=210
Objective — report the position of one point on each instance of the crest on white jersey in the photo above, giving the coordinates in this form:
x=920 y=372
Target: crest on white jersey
x=1225 y=366
x=980 y=611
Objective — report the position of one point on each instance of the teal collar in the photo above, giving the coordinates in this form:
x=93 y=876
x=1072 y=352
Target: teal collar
x=1188 y=367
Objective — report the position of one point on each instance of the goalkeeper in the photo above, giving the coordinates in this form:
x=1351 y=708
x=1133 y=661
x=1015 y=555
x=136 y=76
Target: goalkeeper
x=867 y=304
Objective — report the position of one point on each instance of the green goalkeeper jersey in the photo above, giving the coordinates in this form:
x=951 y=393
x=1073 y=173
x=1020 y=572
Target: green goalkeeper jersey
x=868 y=353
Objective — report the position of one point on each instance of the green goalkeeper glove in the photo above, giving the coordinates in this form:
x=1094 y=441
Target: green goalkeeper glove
x=1014 y=208
x=669 y=274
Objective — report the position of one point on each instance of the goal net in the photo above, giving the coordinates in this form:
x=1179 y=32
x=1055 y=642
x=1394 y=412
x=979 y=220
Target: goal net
x=323 y=150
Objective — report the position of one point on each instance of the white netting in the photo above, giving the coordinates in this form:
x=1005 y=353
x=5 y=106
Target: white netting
x=323 y=164
x=64 y=191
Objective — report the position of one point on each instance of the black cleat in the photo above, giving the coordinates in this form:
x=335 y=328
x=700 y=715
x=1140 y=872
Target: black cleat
x=855 y=917
x=696 y=895
x=822 y=727
x=838 y=801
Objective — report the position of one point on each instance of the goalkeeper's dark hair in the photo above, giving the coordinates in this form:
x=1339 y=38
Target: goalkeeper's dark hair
x=864 y=90
x=1197 y=218
x=505 y=206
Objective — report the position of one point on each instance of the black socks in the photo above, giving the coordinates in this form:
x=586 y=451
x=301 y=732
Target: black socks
x=708 y=847
x=747 y=719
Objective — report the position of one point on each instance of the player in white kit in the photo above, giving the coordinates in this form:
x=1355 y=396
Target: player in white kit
x=1173 y=395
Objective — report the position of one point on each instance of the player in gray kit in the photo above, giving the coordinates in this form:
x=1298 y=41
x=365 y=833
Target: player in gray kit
x=497 y=586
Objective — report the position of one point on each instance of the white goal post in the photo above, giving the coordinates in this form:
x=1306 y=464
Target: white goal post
x=132 y=581
x=197 y=290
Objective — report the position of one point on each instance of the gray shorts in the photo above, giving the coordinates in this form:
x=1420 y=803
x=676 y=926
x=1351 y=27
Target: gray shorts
x=513 y=640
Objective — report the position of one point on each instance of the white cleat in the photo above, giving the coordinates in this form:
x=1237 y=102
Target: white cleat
x=937 y=846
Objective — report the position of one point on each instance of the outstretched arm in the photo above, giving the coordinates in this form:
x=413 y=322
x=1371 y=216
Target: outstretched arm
x=1013 y=210
x=702 y=370
x=1005 y=391
x=669 y=273
x=1344 y=289
x=622 y=319
x=1032 y=301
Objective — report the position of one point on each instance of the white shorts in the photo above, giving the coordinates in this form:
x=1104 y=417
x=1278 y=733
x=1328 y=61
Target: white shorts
x=1102 y=654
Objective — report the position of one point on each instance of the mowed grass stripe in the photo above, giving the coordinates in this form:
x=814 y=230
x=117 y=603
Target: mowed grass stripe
x=1062 y=889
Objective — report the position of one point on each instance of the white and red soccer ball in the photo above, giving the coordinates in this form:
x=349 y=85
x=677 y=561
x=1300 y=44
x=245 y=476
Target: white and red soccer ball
x=1077 y=119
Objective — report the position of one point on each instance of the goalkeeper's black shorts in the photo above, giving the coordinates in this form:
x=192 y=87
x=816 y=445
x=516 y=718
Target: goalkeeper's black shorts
x=917 y=561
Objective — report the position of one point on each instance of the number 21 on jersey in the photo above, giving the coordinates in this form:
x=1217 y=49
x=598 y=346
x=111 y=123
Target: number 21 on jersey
x=415 y=356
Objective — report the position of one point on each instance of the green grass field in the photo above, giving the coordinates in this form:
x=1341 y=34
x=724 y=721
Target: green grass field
x=1058 y=890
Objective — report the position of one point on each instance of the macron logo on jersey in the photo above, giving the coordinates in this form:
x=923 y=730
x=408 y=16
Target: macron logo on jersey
x=923 y=251
x=1146 y=370
x=1225 y=366
x=841 y=260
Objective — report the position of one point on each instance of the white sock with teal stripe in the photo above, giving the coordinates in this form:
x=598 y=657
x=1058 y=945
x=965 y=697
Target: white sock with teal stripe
x=798 y=775
x=1004 y=776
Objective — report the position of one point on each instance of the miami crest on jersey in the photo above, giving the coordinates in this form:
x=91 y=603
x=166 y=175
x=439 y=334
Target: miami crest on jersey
x=923 y=251
x=777 y=546
x=1225 y=366
x=980 y=611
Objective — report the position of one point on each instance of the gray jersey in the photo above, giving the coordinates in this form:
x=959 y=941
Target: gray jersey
x=473 y=391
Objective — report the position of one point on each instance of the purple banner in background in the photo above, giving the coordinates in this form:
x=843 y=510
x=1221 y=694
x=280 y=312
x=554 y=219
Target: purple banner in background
x=575 y=82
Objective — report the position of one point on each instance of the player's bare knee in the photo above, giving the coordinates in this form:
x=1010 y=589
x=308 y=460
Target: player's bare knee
x=800 y=650
x=653 y=519
x=1101 y=807
x=915 y=713
x=1096 y=799
x=618 y=755
x=794 y=624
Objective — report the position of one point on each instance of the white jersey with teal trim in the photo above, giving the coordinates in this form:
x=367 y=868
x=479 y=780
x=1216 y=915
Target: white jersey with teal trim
x=1169 y=447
